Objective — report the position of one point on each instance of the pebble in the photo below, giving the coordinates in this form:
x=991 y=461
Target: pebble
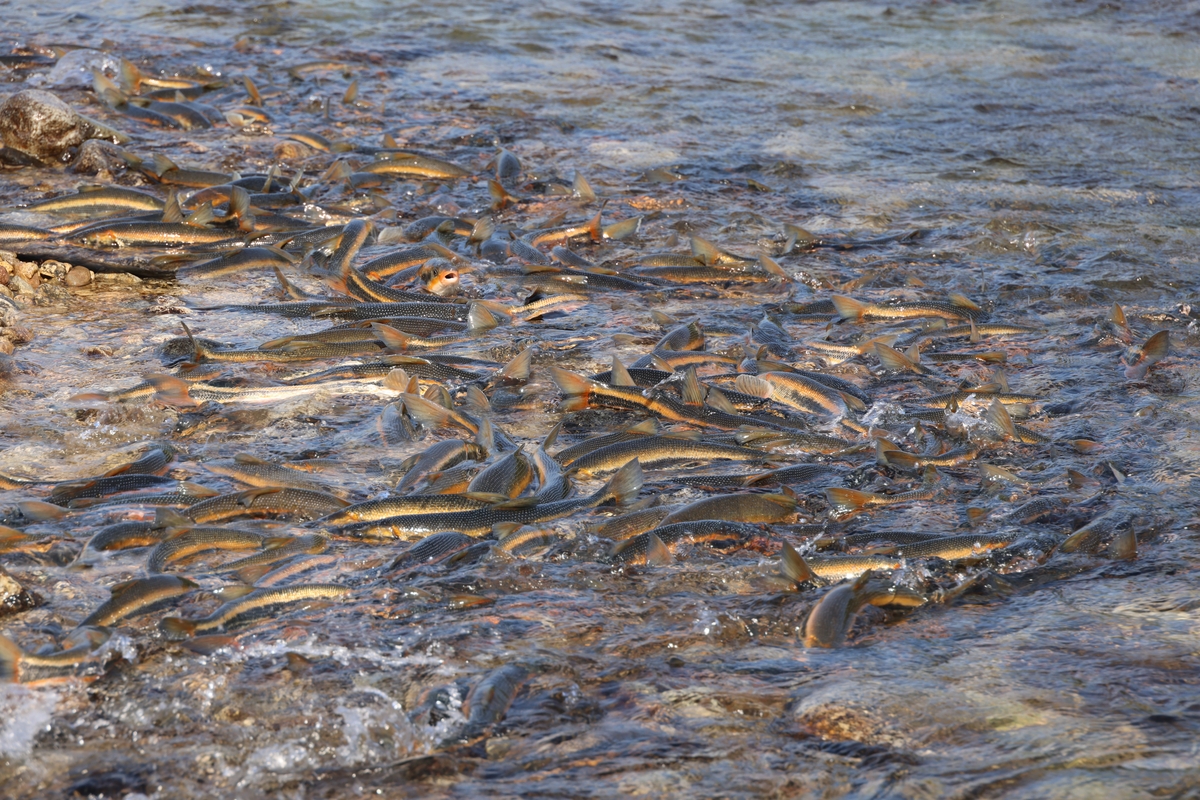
x=54 y=270
x=78 y=276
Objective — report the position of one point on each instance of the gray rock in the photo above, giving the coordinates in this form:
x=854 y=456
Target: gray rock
x=96 y=156
x=19 y=285
x=43 y=127
x=51 y=294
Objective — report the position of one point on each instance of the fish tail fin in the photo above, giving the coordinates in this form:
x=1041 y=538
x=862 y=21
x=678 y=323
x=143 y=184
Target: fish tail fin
x=845 y=501
x=575 y=388
x=40 y=511
x=794 y=567
x=171 y=390
x=893 y=360
x=849 y=308
x=391 y=338
x=176 y=628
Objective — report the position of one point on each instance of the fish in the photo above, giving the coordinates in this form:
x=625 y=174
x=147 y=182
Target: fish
x=622 y=488
x=799 y=392
x=413 y=165
x=266 y=502
x=410 y=504
x=509 y=476
x=184 y=542
x=138 y=596
x=844 y=503
x=740 y=507
x=277 y=548
x=440 y=456
x=254 y=471
x=18 y=666
x=721 y=534
x=488 y=702
x=856 y=311
x=432 y=549
x=257 y=605
x=654 y=451
x=99 y=201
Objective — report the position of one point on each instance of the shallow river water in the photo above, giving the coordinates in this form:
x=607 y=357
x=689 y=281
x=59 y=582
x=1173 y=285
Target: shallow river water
x=1042 y=159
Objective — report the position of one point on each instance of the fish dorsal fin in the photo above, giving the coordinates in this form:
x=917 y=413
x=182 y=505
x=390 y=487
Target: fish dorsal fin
x=662 y=318
x=1000 y=379
x=171 y=211
x=246 y=458
x=201 y=217
x=581 y=189
x=647 y=427
x=962 y=301
x=485 y=437
x=476 y=402
x=660 y=363
x=753 y=385
x=1157 y=347
x=718 y=400
x=692 y=392
x=397 y=380
x=893 y=360
x=548 y=442
x=1116 y=315
x=482 y=230
x=620 y=375
x=998 y=416
x=162 y=165
x=705 y=251
x=771 y=266
x=170 y=518
x=391 y=338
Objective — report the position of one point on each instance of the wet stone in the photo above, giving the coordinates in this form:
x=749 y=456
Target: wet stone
x=14 y=598
x=78 y=276
x=41 y=125
x=51 y=294
x=98 y=156
x=54 y=270
x=20 y=285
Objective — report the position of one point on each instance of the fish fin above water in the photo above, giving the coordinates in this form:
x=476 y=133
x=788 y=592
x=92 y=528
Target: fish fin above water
x=849 y=308
x=620 y=375
x=657 y=552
